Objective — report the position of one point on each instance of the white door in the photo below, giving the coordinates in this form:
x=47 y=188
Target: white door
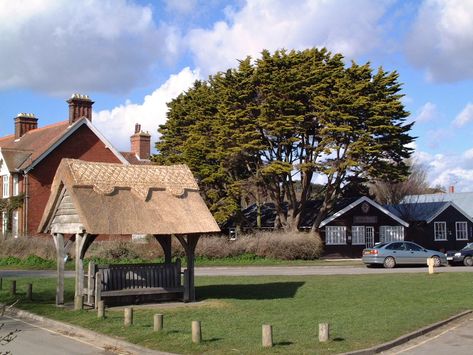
x=369 y=237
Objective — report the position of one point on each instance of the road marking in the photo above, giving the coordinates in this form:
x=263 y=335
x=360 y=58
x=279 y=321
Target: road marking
x=55 y=332
x=432 y=338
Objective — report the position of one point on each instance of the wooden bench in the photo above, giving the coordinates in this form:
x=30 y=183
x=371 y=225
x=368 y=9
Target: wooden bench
x=135 y=283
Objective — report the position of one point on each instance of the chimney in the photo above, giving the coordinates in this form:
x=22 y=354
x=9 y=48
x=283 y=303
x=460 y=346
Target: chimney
x=79 y=106
x=24 y=122
x=141 y=143
x=451 y=189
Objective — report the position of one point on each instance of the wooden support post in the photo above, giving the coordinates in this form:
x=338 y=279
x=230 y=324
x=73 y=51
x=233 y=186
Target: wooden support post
x=29 y=292
x=324 y=332
x=267 y=335
x=196 y=332
x=91 y=283
x=78 y=303
x=78 y=266
x=101 y=309
x=59 y=243
x=1 y=283
x=189 y=246
x=158 y=322
x=13 y=288
x=98 y=288
x=128 y=316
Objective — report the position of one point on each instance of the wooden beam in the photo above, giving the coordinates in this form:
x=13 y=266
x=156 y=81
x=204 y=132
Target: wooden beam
x=61 y=253
x=165 y=242
x=189 y=244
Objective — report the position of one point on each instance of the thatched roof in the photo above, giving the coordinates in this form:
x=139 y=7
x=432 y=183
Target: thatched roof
x=104 y=198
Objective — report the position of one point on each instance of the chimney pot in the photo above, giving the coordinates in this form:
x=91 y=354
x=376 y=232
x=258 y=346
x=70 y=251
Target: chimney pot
x=137 y=128
x=451 y=189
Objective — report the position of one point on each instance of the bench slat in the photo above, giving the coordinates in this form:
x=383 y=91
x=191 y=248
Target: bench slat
x=142 y=291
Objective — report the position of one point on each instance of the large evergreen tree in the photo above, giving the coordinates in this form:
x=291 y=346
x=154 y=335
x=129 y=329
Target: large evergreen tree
x=269 y=127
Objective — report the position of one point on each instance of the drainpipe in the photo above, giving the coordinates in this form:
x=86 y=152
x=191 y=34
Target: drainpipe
x=25 y=214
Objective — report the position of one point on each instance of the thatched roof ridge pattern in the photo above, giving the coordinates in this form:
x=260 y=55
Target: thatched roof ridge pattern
x=106 y=177
x=110 y=199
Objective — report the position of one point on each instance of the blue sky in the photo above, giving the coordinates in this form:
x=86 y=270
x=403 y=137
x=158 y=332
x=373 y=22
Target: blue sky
x=132 y=57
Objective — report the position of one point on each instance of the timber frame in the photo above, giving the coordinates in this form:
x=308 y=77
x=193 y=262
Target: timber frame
x=92 y=199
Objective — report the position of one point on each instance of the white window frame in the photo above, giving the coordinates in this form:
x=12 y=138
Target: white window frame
x=391 y=234
x=358 y=235
x=440 y=231
x=335 y=235
x=16 y=185
x=461 y=233
x=6 y=185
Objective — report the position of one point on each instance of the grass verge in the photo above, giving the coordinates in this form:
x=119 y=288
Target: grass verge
x=362 y=310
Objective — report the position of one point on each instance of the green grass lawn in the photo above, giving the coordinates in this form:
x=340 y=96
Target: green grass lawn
x=362 y=310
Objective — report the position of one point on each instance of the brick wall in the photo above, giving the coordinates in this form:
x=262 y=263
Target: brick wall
x=84 y=145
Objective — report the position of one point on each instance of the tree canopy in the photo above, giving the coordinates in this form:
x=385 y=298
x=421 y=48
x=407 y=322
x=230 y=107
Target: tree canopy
x=271 y=127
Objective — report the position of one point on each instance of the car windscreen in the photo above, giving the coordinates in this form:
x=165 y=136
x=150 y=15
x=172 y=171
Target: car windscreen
x=468 y=246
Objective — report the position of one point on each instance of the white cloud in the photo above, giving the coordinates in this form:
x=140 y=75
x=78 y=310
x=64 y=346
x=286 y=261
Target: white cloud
x=349 y=27
x=181 y=6
x=465 y=116
x=426 y=113
x=118 y=124
x=448 y=170
x=61 y=46
x=440 y=40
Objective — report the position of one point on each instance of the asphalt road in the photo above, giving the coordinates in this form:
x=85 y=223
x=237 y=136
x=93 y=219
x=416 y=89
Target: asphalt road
x=268 y=270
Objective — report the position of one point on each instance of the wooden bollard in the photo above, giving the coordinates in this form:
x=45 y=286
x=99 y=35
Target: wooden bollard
x=78 y=303
x=196 y=332
x=101 y=309
x=158 y=322
x=1 y=283
x=29 y=292
x=128 y=316
x=430 y=264
x=13 y=288
x=267 y=336
x=324 y=332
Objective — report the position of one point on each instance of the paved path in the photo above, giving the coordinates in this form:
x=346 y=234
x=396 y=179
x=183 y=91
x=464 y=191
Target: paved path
x=455 y=338
x=267 y=270
x=35 y=339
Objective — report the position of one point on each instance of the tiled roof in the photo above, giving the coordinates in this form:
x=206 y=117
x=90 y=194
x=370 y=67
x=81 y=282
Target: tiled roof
x=419 y=212
x=31 y=145
x=133 y=159
x=464 y=200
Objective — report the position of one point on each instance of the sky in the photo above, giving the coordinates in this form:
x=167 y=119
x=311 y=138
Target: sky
x=133 y=56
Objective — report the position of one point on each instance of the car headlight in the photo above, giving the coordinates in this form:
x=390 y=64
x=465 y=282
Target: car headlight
x=458 y=254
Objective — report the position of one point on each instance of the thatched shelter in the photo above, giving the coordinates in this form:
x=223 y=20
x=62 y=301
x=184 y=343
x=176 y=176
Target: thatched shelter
x=89 y=199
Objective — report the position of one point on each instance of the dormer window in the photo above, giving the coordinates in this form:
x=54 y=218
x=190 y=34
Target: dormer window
x=6 y=186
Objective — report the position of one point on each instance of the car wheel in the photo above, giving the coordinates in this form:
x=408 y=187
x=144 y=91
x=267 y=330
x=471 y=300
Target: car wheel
x=437 y=261
x=389 y=262
x=468 y=261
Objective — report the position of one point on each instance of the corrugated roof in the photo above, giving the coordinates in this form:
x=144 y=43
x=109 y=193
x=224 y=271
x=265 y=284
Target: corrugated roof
x=463 y=200
x=128 y=199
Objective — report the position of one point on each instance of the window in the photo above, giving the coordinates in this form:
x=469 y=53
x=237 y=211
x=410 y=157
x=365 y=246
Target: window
x=4 y=223
x=391 y=233
x=440 y=231
x=395 y=246
x=336 y=235
x=6 y=186
x=14 y=224
x=413 y=247
x=15 y=185
x=461 y=230
x=358 y=235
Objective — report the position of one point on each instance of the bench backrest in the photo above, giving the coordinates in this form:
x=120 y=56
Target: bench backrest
x=125 y=276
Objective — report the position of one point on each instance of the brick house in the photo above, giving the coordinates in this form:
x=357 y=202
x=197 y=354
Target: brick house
x=29 y=159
